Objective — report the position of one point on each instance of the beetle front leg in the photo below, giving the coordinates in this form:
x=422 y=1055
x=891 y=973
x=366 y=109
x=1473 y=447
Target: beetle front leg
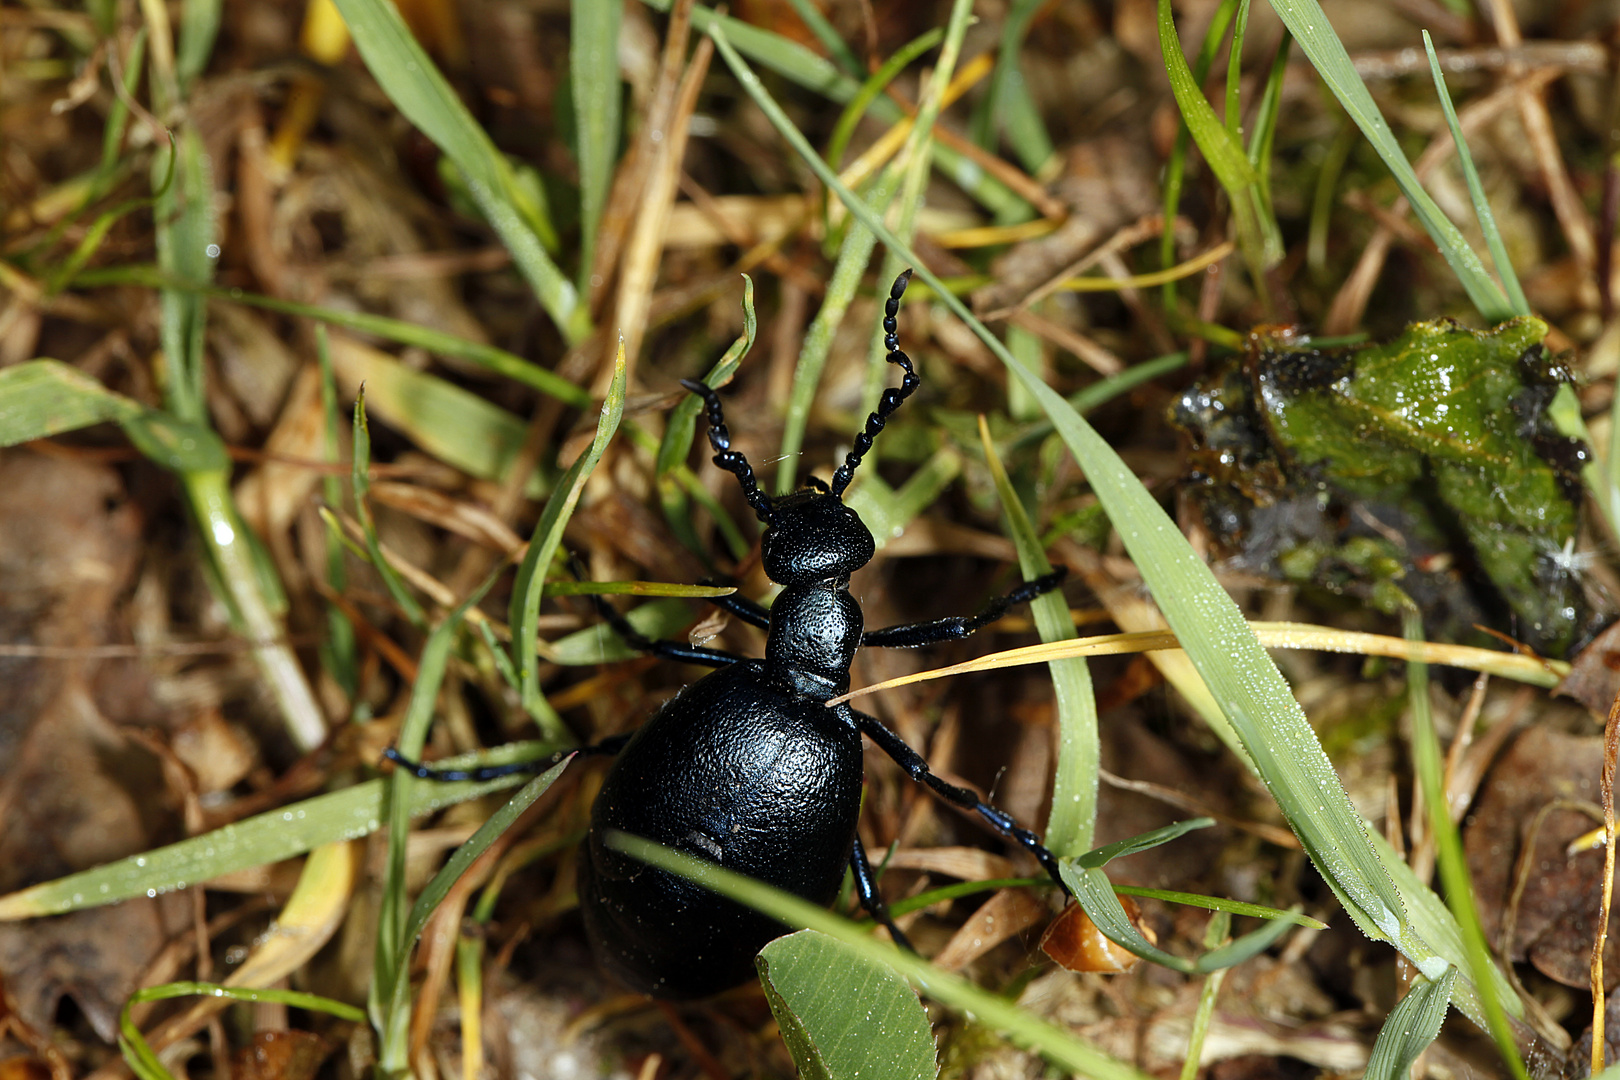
x=916 y=768
x=912 y=635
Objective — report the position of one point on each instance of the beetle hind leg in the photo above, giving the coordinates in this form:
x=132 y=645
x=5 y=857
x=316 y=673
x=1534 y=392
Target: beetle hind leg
x=866 y=888
x=916 y=768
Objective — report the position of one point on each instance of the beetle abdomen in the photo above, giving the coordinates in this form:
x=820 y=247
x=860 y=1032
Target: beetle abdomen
x=759 y=781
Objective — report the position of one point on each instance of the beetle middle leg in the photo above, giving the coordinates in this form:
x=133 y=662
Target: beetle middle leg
x=916 y=768
x=912 y=635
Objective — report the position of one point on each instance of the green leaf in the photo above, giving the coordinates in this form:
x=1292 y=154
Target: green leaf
x=842 y=1016
x=360 y=481
x=1311 y=29
x=146 y=1065
x=1251 y=944
x=415 y=86
x=1410 y=1027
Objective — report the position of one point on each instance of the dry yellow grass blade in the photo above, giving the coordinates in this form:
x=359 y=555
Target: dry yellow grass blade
x=1273 y=635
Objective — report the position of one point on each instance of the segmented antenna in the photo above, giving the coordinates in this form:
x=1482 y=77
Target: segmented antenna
x=892 y=397
x=728 y=459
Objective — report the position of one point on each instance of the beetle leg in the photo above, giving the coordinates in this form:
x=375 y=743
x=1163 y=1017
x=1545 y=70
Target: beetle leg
x=911 y=635
x=916 y=768
x=871 y=899
x=750 y=612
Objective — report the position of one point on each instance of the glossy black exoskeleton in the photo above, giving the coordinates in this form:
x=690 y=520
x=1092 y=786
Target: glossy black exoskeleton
x=749 y=767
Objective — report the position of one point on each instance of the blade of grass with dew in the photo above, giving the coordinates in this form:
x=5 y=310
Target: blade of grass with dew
x=1410 y=1027
x=138 y=1054
x=1427 y=759
x=530 y=583
x=499 y=361
x=1226 y=157
x=266 y=838
x=1220 y=903
x=360 y=483
x=393 y=1041
x=1311 y=29
x=1058 y=1045
x=1244 y=682
x=391 y=958
x=1476 y=190
x=414 y=84
x=1072 y=821
x=593 y=74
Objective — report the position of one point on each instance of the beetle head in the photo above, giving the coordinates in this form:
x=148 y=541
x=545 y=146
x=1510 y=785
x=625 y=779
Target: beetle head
x=813 y=536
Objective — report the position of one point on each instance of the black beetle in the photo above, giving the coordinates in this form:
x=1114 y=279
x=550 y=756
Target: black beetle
x=748 y=767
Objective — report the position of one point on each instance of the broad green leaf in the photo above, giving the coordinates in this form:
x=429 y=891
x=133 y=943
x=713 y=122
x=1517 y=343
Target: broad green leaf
x=843 y=1016
x=1058 y=1045
x=415 y=86
x=1410 y=1027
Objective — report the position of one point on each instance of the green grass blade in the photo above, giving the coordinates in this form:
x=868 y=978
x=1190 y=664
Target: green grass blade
x=1411 y=1026
x=396 y=1039
x=1311 y=29
x=828 y=36
x=415 y=86
x=1476 y=190
x=530 y=583
x=360 y=483
x=499 y=361
x=395 y=935
x=1097 y=858
x=891 y=68
x=260 y=840
x=1243 y=680
x=1007 y=105
x=1427 y=763
x=593 y=72
x=1073 y=819
x=1225 y=154
x=146 y=1065
x=1058 y=1045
